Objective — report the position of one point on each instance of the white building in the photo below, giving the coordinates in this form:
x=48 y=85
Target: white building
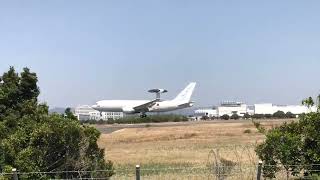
x=85 y=112
x=209 y=112
x=269 y=108
x=231 y=107
x=112 y=115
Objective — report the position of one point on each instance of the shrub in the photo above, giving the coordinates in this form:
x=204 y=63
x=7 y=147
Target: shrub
x=246 y=116
x=293 y=146
x=151 y=119
x=32 y=140
x=290 y=115
x=268 y=116
x=235 y=116
x=204 y=118
x=258 y=116
x=110 y=121
x=225 y=117
x=247 y=131
x=279 y=114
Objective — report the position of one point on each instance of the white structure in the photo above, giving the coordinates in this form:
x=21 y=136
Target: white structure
x=250 y=110
x=85 y=112
x=209 y=112
x=111 y=115
x=269 y=108
x=231 y=107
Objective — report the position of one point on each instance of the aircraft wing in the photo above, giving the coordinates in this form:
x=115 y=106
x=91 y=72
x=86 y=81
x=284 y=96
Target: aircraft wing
x=145 y=107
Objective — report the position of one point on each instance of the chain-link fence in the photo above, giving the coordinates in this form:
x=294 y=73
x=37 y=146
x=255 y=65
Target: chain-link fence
x=216 y=172
x=223 y=163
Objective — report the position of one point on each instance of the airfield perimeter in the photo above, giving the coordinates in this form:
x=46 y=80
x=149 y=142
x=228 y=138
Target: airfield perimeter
x=182 y=144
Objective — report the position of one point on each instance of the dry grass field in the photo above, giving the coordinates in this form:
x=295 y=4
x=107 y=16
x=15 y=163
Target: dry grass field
x=186 y=145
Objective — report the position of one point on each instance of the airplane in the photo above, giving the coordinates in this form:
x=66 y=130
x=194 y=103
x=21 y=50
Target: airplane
x=183 y=100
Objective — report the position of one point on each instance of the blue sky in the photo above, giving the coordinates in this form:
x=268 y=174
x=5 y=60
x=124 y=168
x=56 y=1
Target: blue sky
x=84 y=51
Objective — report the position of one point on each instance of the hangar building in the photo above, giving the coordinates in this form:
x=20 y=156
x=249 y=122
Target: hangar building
x=232 y=107
x=269 y=108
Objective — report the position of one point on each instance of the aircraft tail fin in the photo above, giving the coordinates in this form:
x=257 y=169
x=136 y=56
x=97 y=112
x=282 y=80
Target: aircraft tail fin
x=185 y=95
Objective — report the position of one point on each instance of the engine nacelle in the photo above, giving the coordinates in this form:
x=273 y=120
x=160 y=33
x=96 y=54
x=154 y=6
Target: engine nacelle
x=128 y=110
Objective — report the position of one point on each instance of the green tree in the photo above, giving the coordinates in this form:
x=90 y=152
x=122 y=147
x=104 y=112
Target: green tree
x=258 y=116
x=308 y=102
x=293 y=146
x=225 y=117
x=318 y=102
x=235 y=116
x=268 y=116
x=33 y=140
x=246 y=116
x=279 y=114
x=290 y=115
x=69 y=114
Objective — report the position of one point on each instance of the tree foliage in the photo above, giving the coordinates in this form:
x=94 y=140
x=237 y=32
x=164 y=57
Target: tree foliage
x=293 y=146
x=68 y=114
x=32 y=140
x=309 y=102
x=258 y=116
x=279 y=114
x=290 y=115
x=225 y=117
x=235 y=116
x=246 y=116
x=138 y=119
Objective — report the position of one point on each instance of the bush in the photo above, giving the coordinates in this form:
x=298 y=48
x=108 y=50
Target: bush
x=293 y=146
x=290 y=115
x=268 y=116
x=138 y=119
x=235 y=116
x=110 y=121
x=100 y=121
x=32 y=140
x=279 y=115
x=204 y=118
x=258 y=116
x=246 y=116
x=225 y=117
x=247 y=131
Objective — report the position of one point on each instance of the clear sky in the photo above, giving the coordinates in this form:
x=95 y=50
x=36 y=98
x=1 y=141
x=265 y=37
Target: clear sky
x=84 y=51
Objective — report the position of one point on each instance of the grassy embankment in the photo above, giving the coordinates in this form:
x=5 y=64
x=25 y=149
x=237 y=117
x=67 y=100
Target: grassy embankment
x=189 y=145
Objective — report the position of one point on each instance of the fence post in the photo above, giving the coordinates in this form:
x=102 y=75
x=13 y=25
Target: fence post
x=259 y=170
x=15 y=174
x=137 y=172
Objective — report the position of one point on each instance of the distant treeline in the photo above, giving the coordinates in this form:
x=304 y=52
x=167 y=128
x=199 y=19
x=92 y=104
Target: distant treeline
x=180 y=118
x=276 y=115
x=137 y=119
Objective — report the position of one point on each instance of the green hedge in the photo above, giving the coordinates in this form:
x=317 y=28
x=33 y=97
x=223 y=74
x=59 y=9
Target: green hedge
x=137 y=119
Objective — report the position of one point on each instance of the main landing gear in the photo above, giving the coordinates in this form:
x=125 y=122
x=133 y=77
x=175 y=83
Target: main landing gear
x=143 y=115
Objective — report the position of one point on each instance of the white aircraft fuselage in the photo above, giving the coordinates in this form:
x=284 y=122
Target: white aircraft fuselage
x=143 y=106
x=126 y=106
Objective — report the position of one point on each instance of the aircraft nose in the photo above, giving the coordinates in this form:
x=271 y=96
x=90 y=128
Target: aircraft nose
x=95 y=106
